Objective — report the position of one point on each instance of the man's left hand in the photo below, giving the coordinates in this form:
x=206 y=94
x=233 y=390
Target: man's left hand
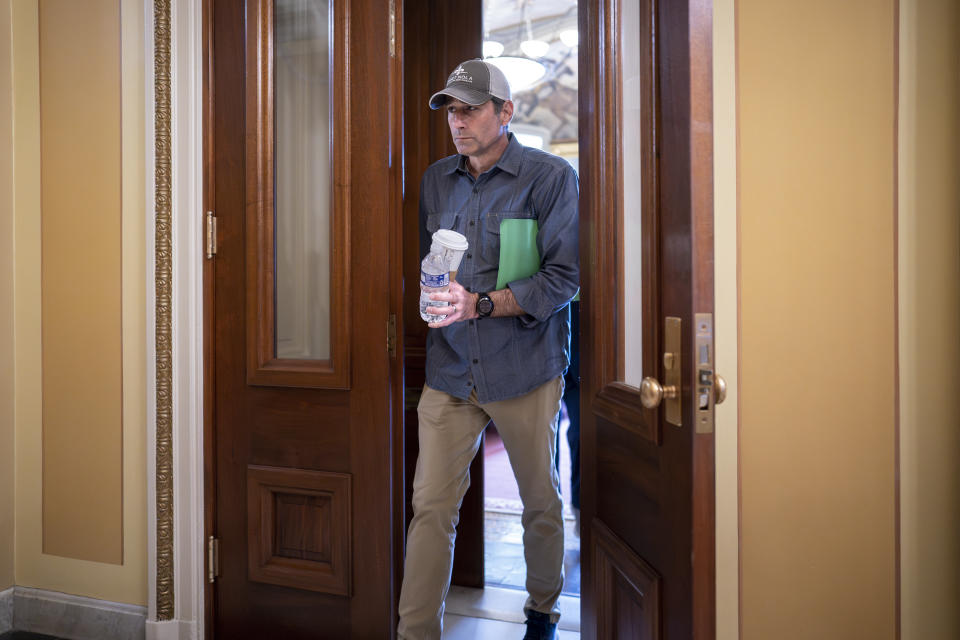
x=462 y=306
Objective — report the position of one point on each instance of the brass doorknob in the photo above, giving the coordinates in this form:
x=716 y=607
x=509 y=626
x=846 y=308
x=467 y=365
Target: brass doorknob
x=652 y=392
x=719 y=389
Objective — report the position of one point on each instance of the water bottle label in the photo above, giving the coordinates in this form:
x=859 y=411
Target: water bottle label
x=439 y=280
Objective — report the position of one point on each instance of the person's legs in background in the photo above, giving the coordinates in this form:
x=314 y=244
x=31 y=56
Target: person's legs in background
x=571 y=398
x=528 y=425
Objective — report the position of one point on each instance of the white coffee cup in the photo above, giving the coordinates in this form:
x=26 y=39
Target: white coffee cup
x=453 y=244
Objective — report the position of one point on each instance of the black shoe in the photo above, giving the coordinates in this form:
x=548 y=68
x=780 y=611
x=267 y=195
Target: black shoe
x=539 y=627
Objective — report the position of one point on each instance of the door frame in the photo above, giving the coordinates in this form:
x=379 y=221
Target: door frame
x=173 y=121
x=182 y=39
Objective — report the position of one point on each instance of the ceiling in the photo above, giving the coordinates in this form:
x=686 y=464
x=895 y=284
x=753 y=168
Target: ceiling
x=552 y=103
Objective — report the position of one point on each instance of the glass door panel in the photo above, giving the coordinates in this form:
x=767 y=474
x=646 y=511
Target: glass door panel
x=632 y=105
x=302 y=178
x=298 y=168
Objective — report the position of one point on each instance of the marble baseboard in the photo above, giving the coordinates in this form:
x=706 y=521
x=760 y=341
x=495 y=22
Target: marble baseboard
x=6 y=610
x=76 y=617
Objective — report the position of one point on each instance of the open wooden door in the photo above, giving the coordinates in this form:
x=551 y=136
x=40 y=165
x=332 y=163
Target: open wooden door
x=647 y=275
x=455 y=35
x=303 y=459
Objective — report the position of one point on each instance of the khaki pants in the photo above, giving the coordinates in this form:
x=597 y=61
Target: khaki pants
x=450 y=431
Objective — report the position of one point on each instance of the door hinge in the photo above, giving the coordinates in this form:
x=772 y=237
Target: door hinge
x=392 y=335
x=213 y=558
x=211 y=235
x=393 y=29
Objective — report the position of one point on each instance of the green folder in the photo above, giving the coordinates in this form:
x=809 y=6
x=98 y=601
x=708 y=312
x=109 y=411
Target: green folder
x=519 y=257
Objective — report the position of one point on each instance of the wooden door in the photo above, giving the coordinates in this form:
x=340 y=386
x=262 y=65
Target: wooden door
x=456 y=29
x=648 y=483
x=304 y=491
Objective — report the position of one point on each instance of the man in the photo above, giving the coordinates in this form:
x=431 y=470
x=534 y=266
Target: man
x=498 y=354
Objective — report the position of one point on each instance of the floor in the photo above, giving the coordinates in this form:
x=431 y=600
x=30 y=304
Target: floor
x=503 y=533
x=496 y=612
x=454 y=628
x=466 y=628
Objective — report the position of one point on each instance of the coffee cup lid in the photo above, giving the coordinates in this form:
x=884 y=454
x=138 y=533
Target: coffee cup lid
x=451 y=239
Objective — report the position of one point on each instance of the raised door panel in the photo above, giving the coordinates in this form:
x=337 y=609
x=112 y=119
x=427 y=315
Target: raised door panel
x=626 y=588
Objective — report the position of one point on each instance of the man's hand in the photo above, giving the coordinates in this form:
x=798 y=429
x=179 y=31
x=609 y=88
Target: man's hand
x=462 y=306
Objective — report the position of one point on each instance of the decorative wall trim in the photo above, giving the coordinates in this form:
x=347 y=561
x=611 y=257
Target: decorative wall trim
x=163 y=274
x=77 y=617
x=173 y=208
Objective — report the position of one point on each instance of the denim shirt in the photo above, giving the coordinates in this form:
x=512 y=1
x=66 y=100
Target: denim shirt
x=504 y=357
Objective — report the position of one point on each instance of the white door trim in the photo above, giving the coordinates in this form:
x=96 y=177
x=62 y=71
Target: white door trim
x=186 y=315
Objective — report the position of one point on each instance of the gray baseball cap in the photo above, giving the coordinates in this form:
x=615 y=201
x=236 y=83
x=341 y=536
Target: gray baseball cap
x=474 y=82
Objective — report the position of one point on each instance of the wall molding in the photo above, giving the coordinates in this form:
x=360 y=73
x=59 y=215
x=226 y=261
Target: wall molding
x=77 y=617
x=174 y=296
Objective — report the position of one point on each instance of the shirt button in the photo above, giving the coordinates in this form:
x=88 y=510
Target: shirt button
x=475 y=361
x=469 y=255
x=472 y=223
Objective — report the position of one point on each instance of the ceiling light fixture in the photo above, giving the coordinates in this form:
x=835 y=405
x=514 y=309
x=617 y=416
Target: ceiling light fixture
x=534 y=48
x=492 y=49
x=570 y=37
x=522 y=73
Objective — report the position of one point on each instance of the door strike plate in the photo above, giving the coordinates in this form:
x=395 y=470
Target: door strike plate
x=704 y=370
x=672 y=370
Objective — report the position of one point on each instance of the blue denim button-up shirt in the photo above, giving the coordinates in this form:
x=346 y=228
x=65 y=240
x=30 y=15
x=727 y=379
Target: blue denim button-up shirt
x=504 y=357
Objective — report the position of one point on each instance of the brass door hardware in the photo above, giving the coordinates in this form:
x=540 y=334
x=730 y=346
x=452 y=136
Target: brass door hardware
x=719 y=389
x=213 y=559
x=707 y=392
x=211 y=235
x=652 y=393
x=392 y=335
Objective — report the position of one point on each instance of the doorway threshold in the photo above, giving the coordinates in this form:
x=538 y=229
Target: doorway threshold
x=499 y=603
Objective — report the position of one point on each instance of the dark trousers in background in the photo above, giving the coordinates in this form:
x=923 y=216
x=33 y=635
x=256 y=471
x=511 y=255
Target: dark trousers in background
x=571 y=398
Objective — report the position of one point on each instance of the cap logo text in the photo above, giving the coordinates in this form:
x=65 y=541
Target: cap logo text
x=460 y=75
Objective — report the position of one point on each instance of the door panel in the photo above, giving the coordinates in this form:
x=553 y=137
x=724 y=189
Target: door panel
x=455 y=35
x=627 y=590
x=648 y=559
x=274 y=196
x=303 y=450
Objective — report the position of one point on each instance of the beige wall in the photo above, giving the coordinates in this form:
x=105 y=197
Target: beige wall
x=126 y=582
x=929 y=291
x=816 y=90
x=80 y=179
x=6 y=303
x=725 y=308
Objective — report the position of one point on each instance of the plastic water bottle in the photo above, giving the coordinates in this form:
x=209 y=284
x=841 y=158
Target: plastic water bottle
x=434 y=278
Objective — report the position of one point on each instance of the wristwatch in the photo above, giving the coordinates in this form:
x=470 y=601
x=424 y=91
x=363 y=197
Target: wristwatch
x=484 y=305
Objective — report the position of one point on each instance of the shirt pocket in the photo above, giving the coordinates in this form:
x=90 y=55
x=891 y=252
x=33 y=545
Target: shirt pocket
x=490 y=245
x=443 y=220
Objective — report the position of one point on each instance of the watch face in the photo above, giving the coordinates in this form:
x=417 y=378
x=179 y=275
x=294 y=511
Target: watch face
x=484 y=306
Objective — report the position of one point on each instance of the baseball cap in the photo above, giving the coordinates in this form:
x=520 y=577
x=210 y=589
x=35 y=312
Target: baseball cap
x=474 y=82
